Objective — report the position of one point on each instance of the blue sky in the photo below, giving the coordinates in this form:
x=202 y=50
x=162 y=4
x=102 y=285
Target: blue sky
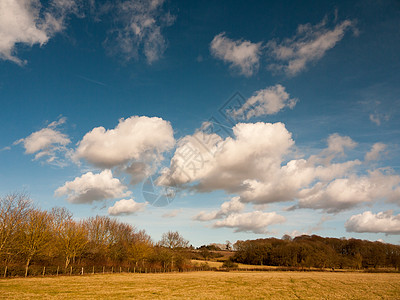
x=261 y=118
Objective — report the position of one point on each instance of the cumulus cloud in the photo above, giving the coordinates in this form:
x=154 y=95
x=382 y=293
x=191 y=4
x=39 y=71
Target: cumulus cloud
x=134 y=138
x=126 y=207
x=227 y=208
x=240 y=54
x=138 y=171
x=26 y=22
x=46 y=142
x=225 y=164
x=139 y=26
x=382 y=222
x=375 y=152
x=256 y=221
x=268 y=101
x=309 y=44
x=93 y=187
x=255 y=164
x=345 y=193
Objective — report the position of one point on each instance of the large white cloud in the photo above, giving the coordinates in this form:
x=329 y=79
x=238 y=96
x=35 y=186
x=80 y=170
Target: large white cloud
x=310 y=43
x=256 y=221
x=344 y=193
x=240 y=54
x=139 y=26
x=26 y=22
x=227 y=208
x=382 y=222
x=268 y=101
x=126 y=207
x=284 y=183
x=226 y=164
x=93 y=187
x=255 y=164
x=134 y=138
x=46 y=142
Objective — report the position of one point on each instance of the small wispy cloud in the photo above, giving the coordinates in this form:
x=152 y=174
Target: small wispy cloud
x=268 y=101
x=139 y=26
x=309 y=44
x=172 y=213
x=240 y=54
x=47 y=142
x=91 y=80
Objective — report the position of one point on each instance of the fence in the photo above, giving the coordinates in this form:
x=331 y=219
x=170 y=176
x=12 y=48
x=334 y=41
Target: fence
x=19 y=271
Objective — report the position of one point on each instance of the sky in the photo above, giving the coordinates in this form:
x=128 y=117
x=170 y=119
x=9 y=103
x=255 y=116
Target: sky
x=223 y=120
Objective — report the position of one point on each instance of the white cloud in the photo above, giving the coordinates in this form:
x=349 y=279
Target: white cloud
x=126 y=207
x=225 y=164
x=46 y=142
x=240 y=54
x=285 y=182
x=338 y=143
x=268 y=101
x=345 y=193
x=138 y=171
x=134 y=138
x=252 y=164
x=309 y=44
x=26 y=22
x=382 y=222
x=227 y=208
x=377 y=118
x=93 y=187
x=255 y=164
x=375 y=152
x=139 y=28
x=256 y=221
x=172 y=213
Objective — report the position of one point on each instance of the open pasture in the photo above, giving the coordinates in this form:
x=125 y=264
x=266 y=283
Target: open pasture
x=207 y=285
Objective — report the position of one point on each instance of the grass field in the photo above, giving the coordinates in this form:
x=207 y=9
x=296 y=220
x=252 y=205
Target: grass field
x=217 y=264
x=207 y=285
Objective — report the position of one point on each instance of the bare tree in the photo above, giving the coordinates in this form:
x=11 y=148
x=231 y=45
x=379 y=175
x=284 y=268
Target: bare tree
x=36 y=234
x=173 y=240
x=13 y=212
x=140 y=247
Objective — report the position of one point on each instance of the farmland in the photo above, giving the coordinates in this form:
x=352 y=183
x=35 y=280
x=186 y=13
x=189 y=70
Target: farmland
x=207 y=285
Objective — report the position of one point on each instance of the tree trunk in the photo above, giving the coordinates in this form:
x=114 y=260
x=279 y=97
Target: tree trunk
x=27 y=267
x=67 y=261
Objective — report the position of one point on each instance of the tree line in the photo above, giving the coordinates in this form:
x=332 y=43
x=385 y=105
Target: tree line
x=318 y=252
x=30 y=236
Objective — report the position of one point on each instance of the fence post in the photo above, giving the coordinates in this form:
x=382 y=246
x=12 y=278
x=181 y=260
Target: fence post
x=5 y=271
x=70 y=272
x=82 y=271
x=103 y=269
x=44 y=270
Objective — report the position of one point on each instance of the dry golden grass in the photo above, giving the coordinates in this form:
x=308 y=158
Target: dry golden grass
x=217 y=264
x=207 y=285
